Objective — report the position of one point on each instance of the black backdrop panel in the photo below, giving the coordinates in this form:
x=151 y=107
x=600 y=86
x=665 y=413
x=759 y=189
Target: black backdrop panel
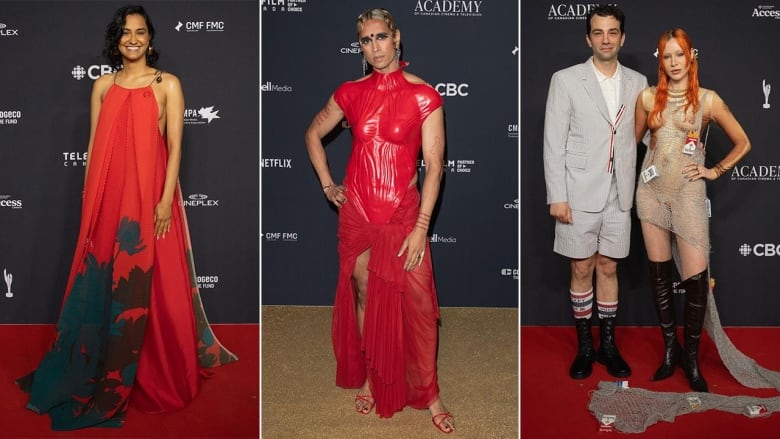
x=467 y=50
x=745 y=213
x=51 y=52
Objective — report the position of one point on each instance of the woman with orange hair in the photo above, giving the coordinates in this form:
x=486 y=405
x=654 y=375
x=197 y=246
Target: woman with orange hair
x=671 y=195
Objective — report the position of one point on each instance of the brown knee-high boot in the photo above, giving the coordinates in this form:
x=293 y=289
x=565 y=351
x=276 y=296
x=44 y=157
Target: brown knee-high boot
x=696 y=289
x=661 y=280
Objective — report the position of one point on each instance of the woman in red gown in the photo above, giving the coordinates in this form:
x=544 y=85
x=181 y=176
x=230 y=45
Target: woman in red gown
x=132 y=327
x=385 y=316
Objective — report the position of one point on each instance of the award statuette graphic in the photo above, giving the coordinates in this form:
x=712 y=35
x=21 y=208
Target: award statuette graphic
x=767 y=89
x=8 y=279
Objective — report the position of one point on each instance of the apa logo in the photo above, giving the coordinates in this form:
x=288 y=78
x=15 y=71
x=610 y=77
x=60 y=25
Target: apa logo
x=201 y=116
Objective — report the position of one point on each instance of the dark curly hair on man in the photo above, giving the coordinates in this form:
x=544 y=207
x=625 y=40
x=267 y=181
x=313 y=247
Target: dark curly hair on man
x=114 y=34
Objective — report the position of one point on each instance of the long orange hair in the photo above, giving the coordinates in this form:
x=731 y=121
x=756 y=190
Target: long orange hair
x=656 y=119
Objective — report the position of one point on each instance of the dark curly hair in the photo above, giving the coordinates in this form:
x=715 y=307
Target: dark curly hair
x=114 y=34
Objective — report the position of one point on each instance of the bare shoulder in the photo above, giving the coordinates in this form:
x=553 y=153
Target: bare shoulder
x=413 y=79
x=102 y=84
x=169 y=81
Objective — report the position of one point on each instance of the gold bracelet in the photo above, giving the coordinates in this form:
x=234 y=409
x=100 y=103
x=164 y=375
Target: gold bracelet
x=327 y=186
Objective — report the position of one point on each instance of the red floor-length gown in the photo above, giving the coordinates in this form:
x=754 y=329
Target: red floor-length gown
x=132 y=327
x=397 y=349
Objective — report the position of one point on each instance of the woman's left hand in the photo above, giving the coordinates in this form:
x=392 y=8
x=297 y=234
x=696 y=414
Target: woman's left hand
x=414 y=246
x=162 y=219
x=695 y=171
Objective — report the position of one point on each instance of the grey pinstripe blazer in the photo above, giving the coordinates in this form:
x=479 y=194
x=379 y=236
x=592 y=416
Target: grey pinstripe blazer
x=577 y=136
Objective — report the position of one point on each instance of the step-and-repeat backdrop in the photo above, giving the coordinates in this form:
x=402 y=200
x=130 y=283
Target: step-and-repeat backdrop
x=737 y=51
x=51 y=52
x=468 y=51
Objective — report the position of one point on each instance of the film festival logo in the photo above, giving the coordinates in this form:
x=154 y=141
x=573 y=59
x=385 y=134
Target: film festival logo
x=9 y=278
x=767 y=89
x=283 y=5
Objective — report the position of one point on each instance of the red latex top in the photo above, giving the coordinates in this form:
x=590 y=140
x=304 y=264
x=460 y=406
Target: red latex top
x=386 y=113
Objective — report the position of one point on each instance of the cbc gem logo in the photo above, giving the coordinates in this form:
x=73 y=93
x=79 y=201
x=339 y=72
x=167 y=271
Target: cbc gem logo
x=760 y=249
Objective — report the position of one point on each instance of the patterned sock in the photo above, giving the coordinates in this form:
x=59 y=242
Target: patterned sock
x=607 y=310
x=582 y=304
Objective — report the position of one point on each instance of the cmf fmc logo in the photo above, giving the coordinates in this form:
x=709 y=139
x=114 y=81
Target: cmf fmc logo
x=760 y=249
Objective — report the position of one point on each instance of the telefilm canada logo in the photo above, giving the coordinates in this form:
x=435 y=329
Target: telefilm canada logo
x=280 y=236
x=283 y=5
x=9 y=202
x=448 y=8
x=200 y=200
x=6 y=31
x=73 y=159
x=759 y=249
x=200 y=116
x=8 y=277
x=10 y=117
x=766 y=11
x=200 y=25
x=571 y=11
x=276 y=163
x=92 y=72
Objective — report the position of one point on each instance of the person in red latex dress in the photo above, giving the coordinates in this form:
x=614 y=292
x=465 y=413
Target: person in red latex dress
x=132 y=330
x=385 y=316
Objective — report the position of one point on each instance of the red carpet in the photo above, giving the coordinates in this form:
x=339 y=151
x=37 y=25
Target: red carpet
x=227 y=407
x=554 y=406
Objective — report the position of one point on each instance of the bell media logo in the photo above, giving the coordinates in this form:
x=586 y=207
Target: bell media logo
x=5 y=31
x=760 y=249
x=766 y=11
x=10 y=117
x=270 y=86
x=441 y=239
x=448 y=8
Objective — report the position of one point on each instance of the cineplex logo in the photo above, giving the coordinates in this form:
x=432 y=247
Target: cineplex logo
x=760 y=249
x=6 y=32
x=200 y=200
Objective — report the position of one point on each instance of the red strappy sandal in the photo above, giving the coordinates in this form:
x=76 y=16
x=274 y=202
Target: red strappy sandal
x=368 y=399
x=439 y=419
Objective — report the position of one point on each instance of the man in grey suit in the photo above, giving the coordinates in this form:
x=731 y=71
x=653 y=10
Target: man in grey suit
x=589 y=169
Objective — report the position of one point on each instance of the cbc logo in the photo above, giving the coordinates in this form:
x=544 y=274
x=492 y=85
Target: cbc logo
x=763 y=249
x=93 y=71
x=452 y=89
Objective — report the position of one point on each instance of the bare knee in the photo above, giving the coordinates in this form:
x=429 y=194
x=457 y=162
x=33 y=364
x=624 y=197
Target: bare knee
x=582 y=269
x=606 y=267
